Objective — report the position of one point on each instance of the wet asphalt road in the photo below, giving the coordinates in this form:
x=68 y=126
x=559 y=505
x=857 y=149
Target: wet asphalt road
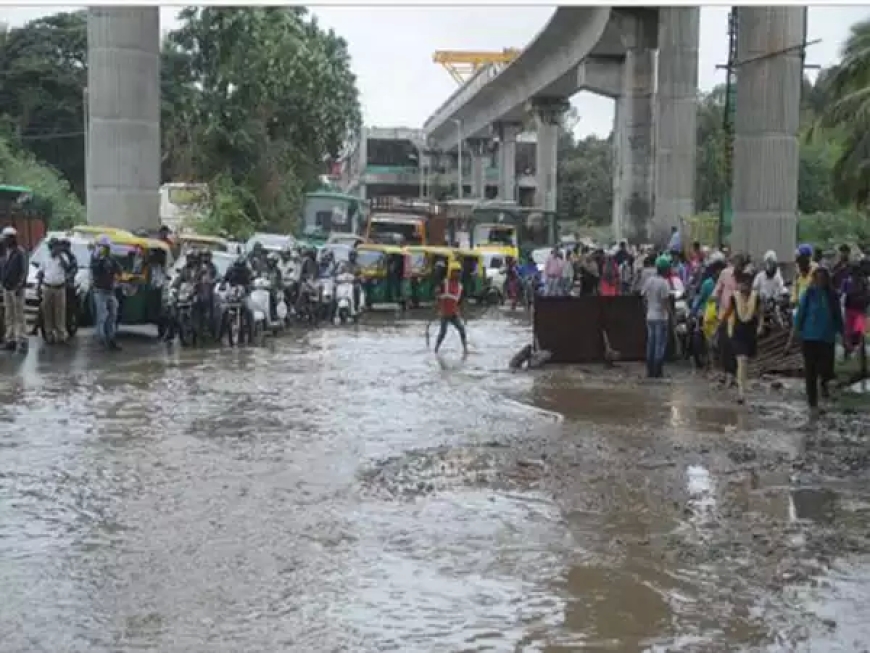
x=224 y=501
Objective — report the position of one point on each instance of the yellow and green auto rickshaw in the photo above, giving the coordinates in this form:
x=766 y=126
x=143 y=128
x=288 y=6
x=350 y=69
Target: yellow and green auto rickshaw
x=428 y=267
x=144 y=265
x=385 y=271
x=475 y=283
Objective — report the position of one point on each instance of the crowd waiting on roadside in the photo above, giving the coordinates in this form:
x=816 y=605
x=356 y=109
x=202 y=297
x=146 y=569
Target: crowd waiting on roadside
x=730 y=298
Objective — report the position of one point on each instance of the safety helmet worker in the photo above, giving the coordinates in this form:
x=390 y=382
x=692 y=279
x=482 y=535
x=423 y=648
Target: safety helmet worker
x=663 y=262
x=770 y=256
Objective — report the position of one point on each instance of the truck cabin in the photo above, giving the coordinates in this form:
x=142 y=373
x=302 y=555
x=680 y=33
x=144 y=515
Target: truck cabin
x=517 y=227
x=408 y=222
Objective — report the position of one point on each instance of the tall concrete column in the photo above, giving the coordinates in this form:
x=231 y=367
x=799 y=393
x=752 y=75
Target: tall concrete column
x=548 y=120
x=678 y=36
x=123 y=168
x=507 y=133
x=766 y=150
x=479 y=148
x=634 y=146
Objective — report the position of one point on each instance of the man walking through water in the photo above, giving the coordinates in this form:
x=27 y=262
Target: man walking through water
x=448 y=308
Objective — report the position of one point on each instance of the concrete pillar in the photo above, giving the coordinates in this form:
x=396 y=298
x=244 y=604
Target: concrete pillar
x=479 y=148
x=678 y=36
x=618 y=149
x=507 y=160
x=548 y=119
x=634 y=189
x=766 y=151
x=123 y=169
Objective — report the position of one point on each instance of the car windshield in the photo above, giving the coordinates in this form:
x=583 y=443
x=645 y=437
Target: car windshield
x=540 y=256
x=79 y=249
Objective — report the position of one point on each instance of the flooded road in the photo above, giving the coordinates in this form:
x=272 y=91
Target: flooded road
x=340 y=490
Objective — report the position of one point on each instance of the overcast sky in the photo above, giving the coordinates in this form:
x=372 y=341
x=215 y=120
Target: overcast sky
x=392 y=50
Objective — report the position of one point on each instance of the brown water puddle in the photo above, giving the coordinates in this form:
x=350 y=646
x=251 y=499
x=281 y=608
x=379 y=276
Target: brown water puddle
x=341 y=490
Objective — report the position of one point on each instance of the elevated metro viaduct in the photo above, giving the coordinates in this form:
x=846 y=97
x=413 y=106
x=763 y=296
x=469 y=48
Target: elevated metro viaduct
x=646 y=59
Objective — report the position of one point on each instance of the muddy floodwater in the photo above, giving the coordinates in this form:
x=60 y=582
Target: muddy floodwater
x=344 y=490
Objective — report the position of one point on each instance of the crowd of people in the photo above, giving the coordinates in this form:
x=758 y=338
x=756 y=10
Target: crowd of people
x=734 y=301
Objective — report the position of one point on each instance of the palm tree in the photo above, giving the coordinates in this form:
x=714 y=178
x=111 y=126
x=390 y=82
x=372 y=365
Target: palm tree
x=846 y=90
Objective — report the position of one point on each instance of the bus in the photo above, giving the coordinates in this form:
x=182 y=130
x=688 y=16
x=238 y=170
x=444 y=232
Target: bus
x=328 y=212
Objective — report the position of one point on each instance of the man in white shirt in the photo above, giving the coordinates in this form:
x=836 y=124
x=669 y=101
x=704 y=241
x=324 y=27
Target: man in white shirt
x=53 y=275
x=768 y=283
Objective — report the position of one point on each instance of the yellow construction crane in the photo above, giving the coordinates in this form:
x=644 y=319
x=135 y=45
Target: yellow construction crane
x=463 y=64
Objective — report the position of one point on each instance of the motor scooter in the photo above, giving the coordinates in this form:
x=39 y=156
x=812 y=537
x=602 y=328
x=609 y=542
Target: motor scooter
x=345 y=308
x=258 y=303
x=326 y=307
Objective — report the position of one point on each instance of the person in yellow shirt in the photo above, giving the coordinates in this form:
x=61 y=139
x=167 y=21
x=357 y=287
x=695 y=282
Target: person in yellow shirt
x=805 y=268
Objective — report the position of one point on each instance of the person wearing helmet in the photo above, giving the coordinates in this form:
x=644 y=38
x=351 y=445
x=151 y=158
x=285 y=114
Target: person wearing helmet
x=818 y=321
x=53 y=277
x=657 y=298
x=805 y=267
x=14 y=278
x=104 y=271
x=449 y=299
x=257 y=258
x=768 y=284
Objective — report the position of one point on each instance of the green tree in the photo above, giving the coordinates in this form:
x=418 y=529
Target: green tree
x=42 y=91
x=265 y=96
x=18 y=168
x=585 y=179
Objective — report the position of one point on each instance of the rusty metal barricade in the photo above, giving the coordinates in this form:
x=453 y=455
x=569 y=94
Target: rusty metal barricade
x=571 y=328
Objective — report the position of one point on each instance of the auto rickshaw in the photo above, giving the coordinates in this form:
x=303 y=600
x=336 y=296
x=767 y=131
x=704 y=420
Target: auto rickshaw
x=423 y=284
x=144 y=264
x=93 y=230
x=475 y=284
x=385 y=271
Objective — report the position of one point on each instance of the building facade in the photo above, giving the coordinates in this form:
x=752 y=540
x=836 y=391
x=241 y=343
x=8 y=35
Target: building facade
x=396 y=162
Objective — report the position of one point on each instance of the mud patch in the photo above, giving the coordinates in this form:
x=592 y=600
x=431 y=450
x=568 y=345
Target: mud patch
x=423 y=472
